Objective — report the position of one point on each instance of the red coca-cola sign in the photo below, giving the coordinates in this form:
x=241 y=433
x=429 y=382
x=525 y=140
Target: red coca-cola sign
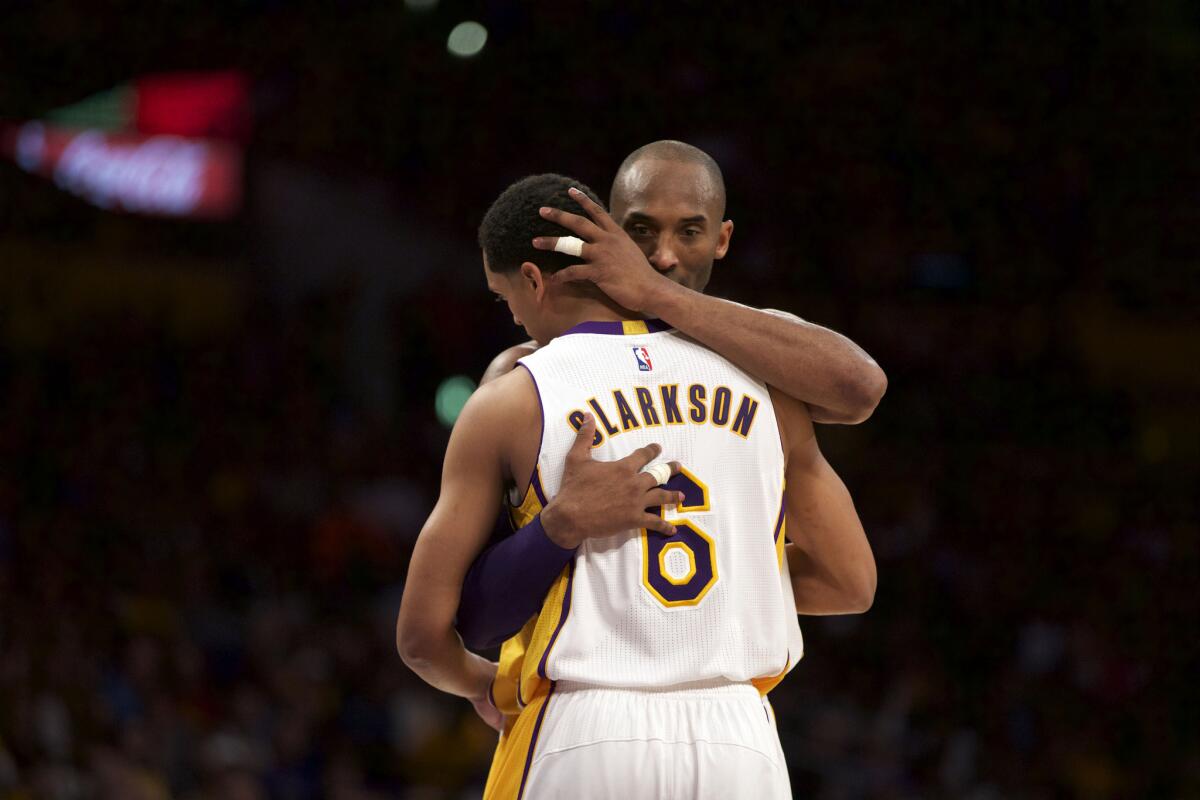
x=145 y=174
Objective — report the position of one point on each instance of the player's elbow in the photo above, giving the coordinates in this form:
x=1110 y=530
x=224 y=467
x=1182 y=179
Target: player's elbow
x=862 y=395
x=860 y=589
x=875 y=384
x=861 y=600
x=416 y=655
x=415 y=644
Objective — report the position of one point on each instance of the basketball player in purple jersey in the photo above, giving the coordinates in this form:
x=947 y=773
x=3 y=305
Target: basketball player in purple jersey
x=681 y=233
x=655 y=254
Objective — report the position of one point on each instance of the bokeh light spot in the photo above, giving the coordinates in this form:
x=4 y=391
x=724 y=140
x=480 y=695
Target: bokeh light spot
x=467 y=39
x=451 y=396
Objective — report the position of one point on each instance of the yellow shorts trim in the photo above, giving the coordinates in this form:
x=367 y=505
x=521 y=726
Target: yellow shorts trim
x=514 y=753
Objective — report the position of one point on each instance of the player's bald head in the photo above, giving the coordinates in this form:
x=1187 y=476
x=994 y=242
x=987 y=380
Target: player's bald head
x=643 y=166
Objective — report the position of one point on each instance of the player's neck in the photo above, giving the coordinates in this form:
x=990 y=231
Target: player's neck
x=592 y=306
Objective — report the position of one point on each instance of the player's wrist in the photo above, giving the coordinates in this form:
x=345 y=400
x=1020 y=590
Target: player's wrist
x=556 y=525
x=483 y=674
x=661 y=296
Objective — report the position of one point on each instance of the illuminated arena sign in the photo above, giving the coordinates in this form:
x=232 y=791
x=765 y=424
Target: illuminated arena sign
x=147 y=174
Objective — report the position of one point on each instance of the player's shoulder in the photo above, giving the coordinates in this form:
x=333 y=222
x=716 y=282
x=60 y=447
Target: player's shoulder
x=503 y=398
x=500 y=419
x=506 y=361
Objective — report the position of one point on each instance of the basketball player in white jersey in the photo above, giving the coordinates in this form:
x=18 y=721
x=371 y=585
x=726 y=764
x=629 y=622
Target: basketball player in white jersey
x=656 y=254
x=642 y=674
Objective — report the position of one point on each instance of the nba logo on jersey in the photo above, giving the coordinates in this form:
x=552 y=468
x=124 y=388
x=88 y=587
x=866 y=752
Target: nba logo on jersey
x=643 y=359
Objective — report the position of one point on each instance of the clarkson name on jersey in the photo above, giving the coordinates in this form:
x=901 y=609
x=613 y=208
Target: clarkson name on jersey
x=644 y=407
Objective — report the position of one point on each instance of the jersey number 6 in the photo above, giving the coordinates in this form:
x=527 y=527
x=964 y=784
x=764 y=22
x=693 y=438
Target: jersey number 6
x=679 y=570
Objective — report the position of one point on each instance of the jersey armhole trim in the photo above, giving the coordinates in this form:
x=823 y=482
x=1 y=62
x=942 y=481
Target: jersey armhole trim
x=563 y=613
x=535 y=475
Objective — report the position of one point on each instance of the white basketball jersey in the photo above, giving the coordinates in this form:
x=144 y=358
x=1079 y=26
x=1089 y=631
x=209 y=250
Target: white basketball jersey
x=640 y=609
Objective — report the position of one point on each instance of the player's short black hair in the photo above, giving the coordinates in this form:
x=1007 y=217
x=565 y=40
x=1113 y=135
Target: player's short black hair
x=507 y=231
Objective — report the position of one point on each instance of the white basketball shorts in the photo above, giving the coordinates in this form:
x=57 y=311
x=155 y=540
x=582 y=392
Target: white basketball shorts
x=712 y=740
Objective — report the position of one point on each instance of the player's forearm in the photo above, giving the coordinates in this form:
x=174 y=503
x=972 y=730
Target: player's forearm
x=507 y=584
x=819 y=592
x=806 y=361
x=830 y=561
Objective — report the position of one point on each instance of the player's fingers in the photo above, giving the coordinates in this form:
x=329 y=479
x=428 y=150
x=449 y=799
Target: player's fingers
x=575 y=272
x=641 y=457
x=593 y=209
x=662 y=497
x=580 y=226
x=582 y=446
x=673 y=469
x=488 y=712
x=653 y=522
x=551 y=242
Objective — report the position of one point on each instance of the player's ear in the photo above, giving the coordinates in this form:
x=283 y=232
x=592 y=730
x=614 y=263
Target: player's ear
x=532 y=276
x=723 y=237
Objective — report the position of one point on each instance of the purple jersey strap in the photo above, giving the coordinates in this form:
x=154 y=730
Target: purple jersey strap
x=507 y=584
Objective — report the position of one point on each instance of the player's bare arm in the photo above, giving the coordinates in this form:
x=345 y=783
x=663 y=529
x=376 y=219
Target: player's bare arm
x=829 y=558
x=839 y=381
x=473 y=474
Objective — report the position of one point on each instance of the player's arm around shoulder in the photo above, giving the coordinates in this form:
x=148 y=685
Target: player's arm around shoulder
x=861 y=388
x=837 y=379
x=830 y=560
x=506 y=361
x=477 y=463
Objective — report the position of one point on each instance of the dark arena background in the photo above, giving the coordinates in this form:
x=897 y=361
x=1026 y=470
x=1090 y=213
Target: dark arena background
x=241 y=301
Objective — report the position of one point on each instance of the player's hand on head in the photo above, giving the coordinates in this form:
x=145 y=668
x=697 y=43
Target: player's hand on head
x=601 y=498
x=612 y=260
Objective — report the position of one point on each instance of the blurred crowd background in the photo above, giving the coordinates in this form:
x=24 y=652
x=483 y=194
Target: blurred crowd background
x=218 y=438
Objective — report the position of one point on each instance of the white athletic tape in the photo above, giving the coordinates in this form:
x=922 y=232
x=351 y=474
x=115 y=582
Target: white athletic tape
x=660 y=472
x=571 y=245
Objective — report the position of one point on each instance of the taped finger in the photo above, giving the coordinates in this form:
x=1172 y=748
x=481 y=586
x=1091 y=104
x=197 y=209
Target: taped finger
x=571 y=245
x=660 y=472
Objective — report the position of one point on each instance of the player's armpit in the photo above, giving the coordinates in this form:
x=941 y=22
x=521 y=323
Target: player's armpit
x=506 y=361
x=830 y=560
x=457 y=529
